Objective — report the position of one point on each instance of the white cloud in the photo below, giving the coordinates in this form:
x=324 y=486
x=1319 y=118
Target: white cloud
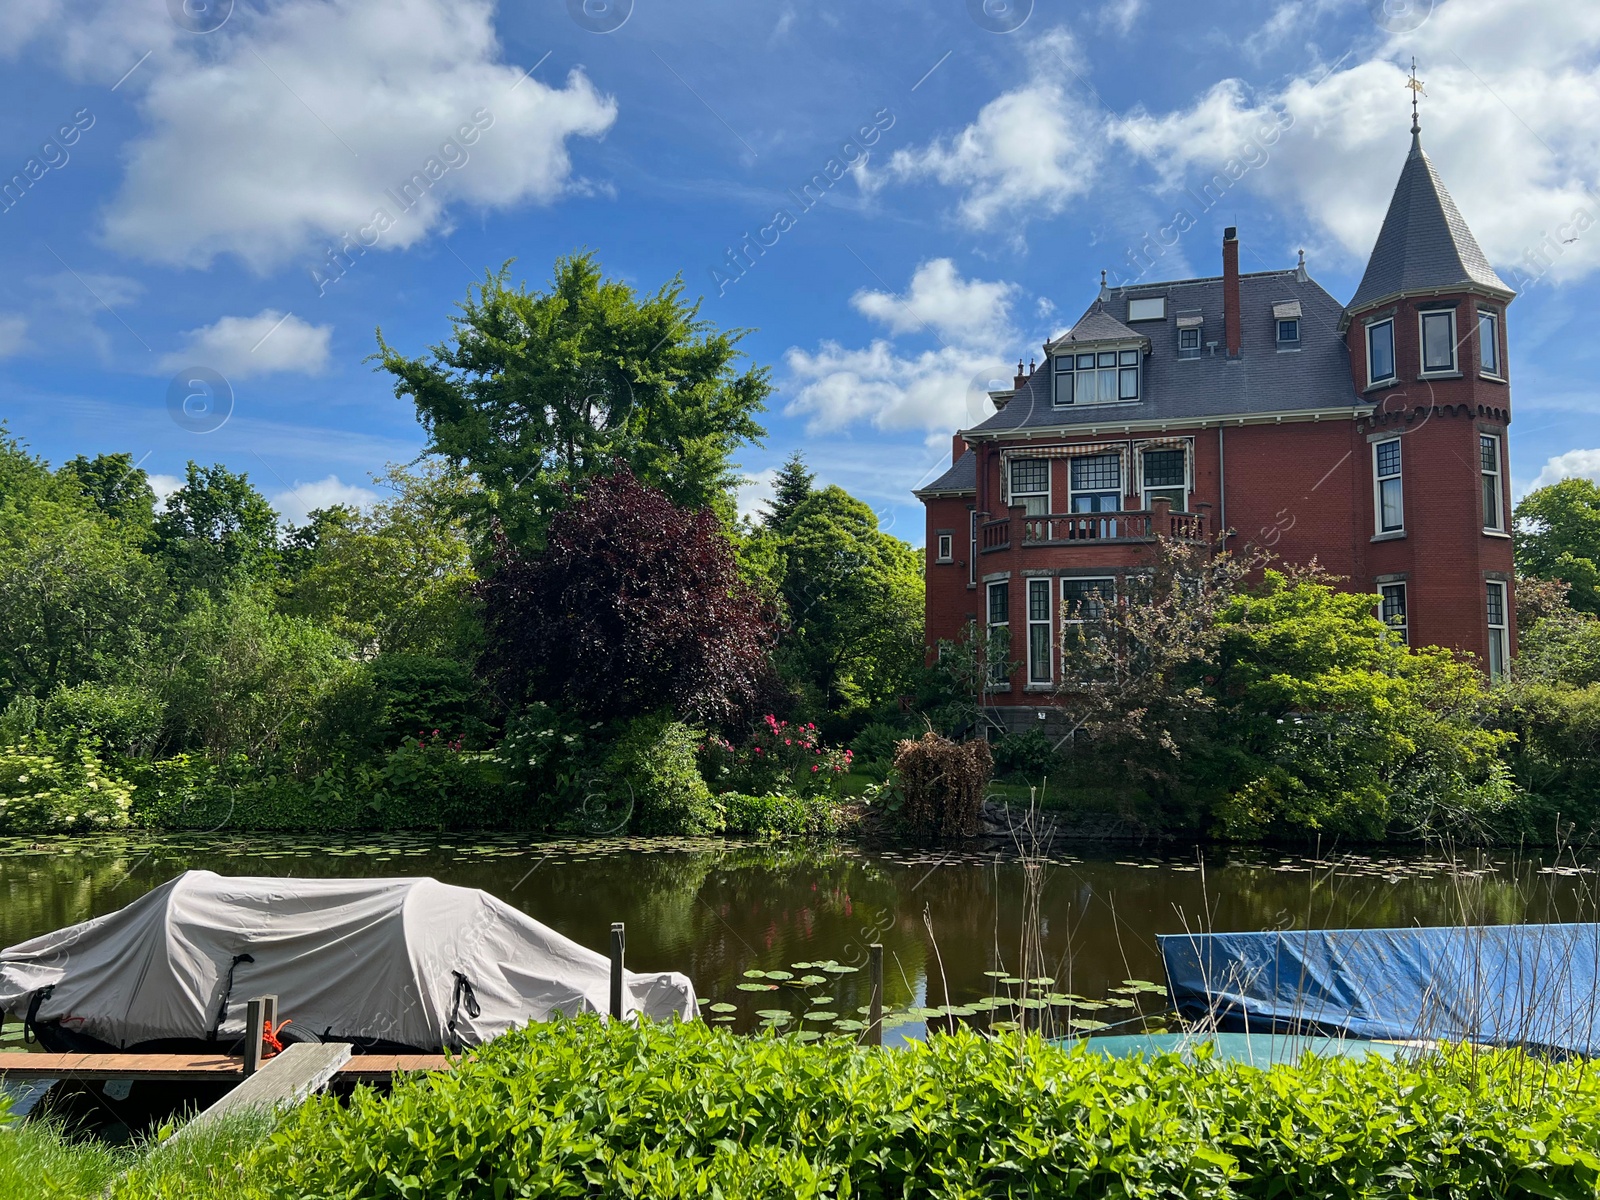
x=1514 y=134
x=966 y=311
x=936 y=390
x=752 y=491
x=163 y=486
x=1030 y=151
x=239 y=347
x=1574 y=464
x=296 y=504
x=283 y=131
x=13 y=333
x=1119 y=15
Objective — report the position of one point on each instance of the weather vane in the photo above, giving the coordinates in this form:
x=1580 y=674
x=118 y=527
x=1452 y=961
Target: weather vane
x=1415 y=85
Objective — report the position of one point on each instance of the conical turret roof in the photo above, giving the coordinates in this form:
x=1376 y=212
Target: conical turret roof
x=1424 y=244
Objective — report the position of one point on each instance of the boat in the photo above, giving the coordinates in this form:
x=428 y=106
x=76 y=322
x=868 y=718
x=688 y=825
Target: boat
x=391 y=965
x=1534 y=986
x=1256 y=1049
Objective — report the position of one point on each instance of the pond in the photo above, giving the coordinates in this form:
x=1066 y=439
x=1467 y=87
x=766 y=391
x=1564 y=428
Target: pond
x=955 y=924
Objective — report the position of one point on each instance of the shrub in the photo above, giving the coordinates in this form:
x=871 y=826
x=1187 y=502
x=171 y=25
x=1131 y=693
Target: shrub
x=942 y=784
x=1031 y=754
x=654 y=784
x=777 y=757
x=581 y=1108
x=873 y=748
x=778 y=814
x=45 y=789
x=124 y=719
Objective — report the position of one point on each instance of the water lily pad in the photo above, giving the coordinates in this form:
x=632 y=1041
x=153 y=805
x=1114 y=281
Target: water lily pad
x=721 y=1020
x=822 y=1015
x=1042 y=981
x=752 y=973
x=1010 y=980
x=780 y=975
x=724 y=1007
x=839 y=969
x=1117 y=1002
x=1144 y=985
x=849 y=1025
x=958 y=1010
x=756 y=987
x=806 y=1035
x=1090 y=1005
x=812 y=980
x=775 y=1016
x=1003 y=1026
x=997 y=974
x=1086 y=1026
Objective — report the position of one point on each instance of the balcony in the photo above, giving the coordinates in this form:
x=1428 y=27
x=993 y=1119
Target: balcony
x=1105 y=528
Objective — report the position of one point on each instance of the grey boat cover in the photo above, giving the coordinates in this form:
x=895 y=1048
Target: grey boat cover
x=354 y=958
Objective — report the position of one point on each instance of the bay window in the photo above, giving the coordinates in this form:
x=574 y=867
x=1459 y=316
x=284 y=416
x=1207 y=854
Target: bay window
x=1494 y=517
x=1499 y=632
x=1096 y=483
x=1039 y=645
x=1488 y=343
x=1380 y=351
x=1030 y=485
x=998 y=649
x=1438 y=341
x=1098 y=377
x=1166 y=476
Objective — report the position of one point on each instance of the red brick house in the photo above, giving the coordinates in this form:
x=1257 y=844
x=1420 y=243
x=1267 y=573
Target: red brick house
x=1250 y=408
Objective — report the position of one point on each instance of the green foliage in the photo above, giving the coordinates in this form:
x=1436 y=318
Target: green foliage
x=116 y=486
x=246 y=679
x=793 y=486
x=651 y=772
x=77 y=596
x=813 y=816
x=1561 y=647
x=39 y=1161
x=50 y=789
x=578 y=1108
x=853 y=597
x=1557 y=533
x=124 y=719
x=778 y=756
x=539 y=389
x=872 y=750
x=217 y=531
x=1031 y=754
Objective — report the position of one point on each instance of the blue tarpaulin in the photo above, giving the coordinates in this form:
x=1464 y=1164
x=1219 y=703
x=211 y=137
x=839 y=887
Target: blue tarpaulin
x=1527 y=985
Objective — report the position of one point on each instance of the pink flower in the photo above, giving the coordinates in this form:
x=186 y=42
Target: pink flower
x=813 y=768
x=787 y=742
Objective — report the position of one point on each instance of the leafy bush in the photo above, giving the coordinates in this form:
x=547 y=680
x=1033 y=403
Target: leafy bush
x=942 y=785
x=581 y=1108
x=123 y=718
x=1032 y=754
x=777 y=757
x=653 y=776
x=46 y=789
x=778 y=814
x=872 y=749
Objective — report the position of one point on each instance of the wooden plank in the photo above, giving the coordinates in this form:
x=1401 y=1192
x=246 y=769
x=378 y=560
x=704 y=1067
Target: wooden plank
x=377 y=1067
x=282 y=1081
x=119 y=1066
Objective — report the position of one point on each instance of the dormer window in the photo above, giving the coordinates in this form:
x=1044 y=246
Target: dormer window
x=1097 y=377
x=1189 y=343
x=1148 y=308
x=1289 y=332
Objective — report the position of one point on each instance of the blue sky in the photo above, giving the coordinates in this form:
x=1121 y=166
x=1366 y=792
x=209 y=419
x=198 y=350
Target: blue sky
x=191 y=164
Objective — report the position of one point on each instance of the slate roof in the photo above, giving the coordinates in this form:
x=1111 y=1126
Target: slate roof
x=1262 y=379
x=960 y=479
x=1098 y=325
x=1424 y=244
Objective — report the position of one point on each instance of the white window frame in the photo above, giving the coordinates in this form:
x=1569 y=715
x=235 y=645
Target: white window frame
x=1398 y=478
x=1423 y=317
x=1073 y=493
x=1160 y=313
x=1280 y=323
x=1022 y=498
x=1040 y=587
x=1393 y=375
x=946 y=552
x=1190 y=352
x=999 y=672
x=972 y=548
x=1403 y=625
x=1499 y=635
x=1494 y=505
x=1188 y=484
x=1494 y=369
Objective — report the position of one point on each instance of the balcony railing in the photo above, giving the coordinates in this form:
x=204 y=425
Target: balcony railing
x=1072 y=529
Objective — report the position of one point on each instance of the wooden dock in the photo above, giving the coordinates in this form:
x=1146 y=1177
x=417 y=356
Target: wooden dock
x=209 y=1068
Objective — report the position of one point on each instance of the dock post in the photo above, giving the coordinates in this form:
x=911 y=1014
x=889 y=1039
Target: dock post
x=257 y=1013
x=875 y=1001
x=618 y=947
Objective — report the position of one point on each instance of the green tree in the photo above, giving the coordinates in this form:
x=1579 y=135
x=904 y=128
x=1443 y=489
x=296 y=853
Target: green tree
x=1558 y=537
x=77 y=597
x=535 y=390
x=792 y=488
x=397 y=580
x=217 y=530
x=116 y=486
x=853 y=597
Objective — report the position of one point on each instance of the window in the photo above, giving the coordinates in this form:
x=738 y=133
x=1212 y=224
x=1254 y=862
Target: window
x=1499 y=639
x=1039 y=665
x=972 y=547
x=1488 y=343
x=1393 y=609
x=1030 y=485
x=1189 y=342
x=1489 y=469
x=1289 y=331
x=1380 y=351
x=1096 y=481
x=946 y=547
x=1104 y=377
x=1166 y=476
x=998 y=649
x=1150 y=308
x=1438 y=341
x=1386 y=478
x=1083 y=609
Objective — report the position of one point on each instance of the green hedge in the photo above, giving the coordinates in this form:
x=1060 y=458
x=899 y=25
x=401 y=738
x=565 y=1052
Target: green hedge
x=575 y=1108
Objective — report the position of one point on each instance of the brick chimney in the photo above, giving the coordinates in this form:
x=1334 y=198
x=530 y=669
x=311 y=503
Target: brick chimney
x=958 y=447
x=1021 y=379
x=1230 y=289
